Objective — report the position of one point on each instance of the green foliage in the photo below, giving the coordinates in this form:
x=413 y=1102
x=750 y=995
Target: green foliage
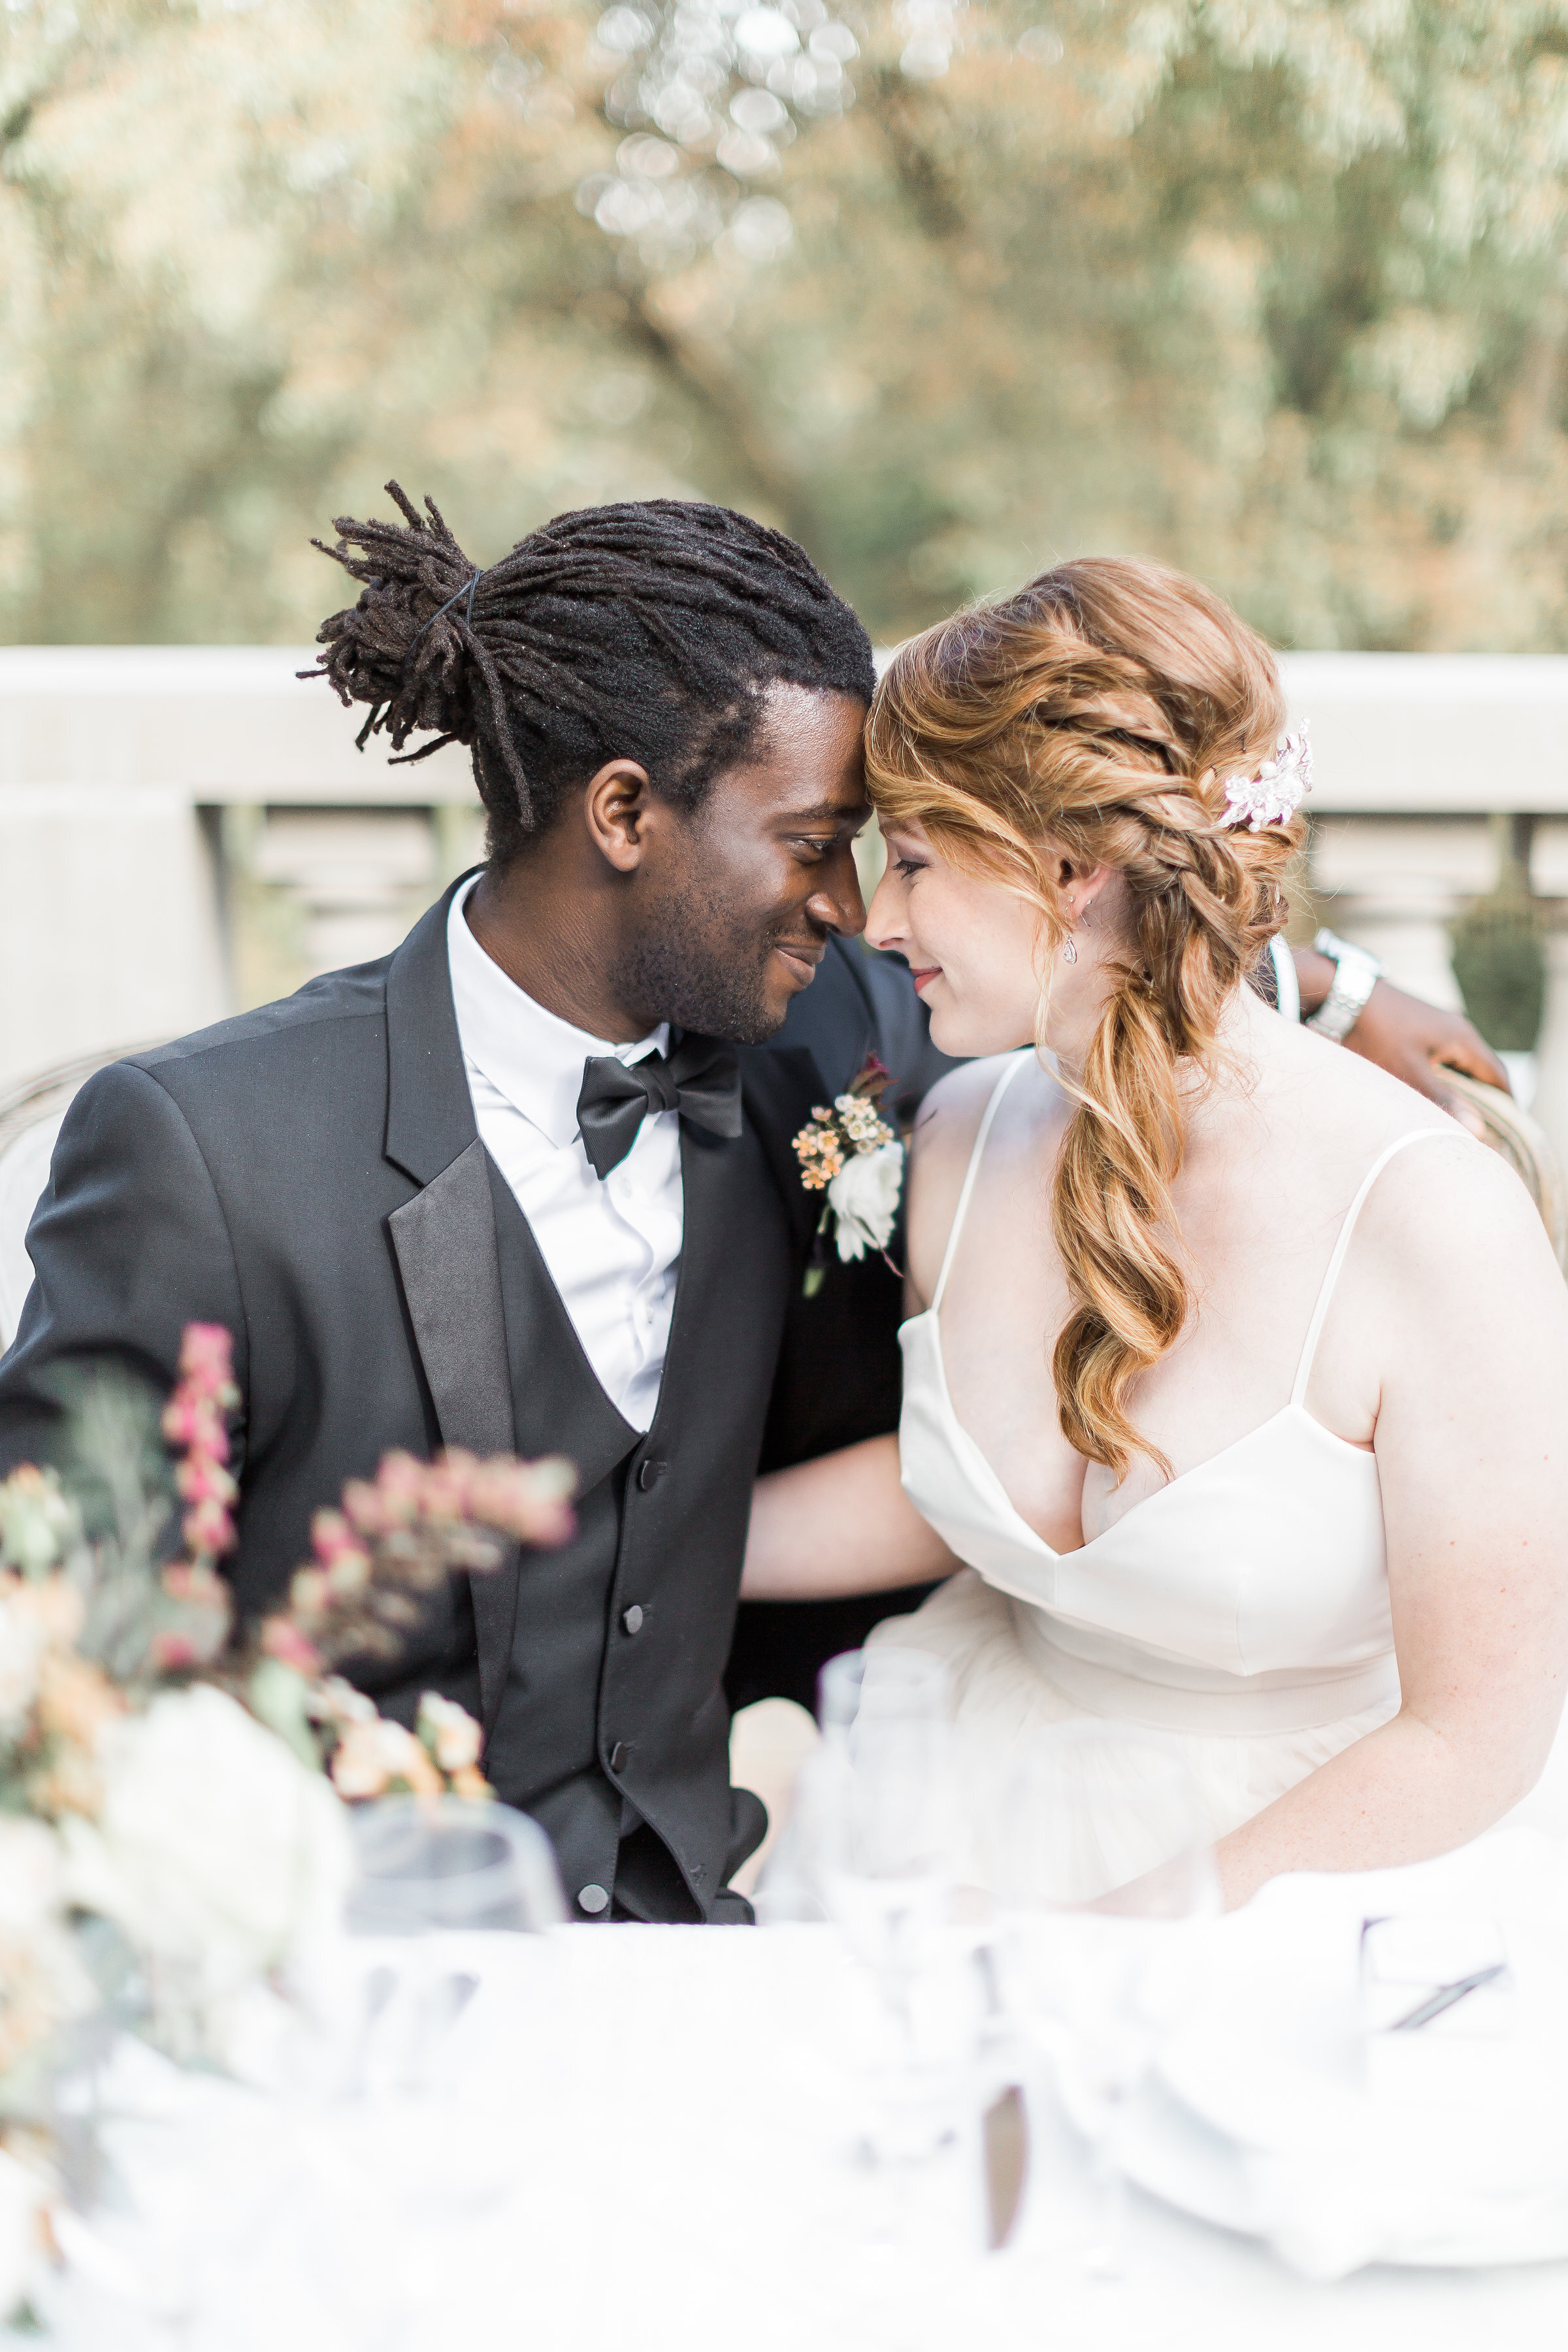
x=1499 y=963
x=1272 y=290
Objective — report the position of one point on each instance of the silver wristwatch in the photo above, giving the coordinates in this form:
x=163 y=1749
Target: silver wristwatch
x=1356 y=974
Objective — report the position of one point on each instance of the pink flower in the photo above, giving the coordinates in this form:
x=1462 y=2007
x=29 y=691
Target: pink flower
x=349 y=1573
x=445 y=1494
x=364 y=1507
x=281 y=1638
x=400 y=1483
x=208 y=1530
x=172 y=1651
x=529 y=1500
x=201 y=1478
x=330 y=1536
x=308 y=1592
x=206 y=1362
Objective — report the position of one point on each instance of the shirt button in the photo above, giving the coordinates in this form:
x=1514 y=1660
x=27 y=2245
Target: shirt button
x=631 y=1619
x=620 y=1755
x=592 y=1899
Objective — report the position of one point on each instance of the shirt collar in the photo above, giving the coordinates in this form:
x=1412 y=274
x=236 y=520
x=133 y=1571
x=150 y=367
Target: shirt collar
x=531 y=1056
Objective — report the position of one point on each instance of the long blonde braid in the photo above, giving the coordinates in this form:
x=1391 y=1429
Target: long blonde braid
x=1092 y=716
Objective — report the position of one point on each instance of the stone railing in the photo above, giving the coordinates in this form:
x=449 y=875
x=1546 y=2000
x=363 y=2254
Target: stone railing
x=184 y=829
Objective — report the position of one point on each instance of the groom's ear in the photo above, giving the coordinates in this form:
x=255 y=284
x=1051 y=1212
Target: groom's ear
x=616 y=807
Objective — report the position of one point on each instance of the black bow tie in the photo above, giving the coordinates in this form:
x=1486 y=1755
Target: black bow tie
x=701 y=1080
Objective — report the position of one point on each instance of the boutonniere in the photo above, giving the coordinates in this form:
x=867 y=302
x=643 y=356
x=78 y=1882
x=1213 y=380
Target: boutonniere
x=851 y=1153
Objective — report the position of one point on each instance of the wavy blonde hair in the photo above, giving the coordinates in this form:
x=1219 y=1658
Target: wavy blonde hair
x=1093 y=716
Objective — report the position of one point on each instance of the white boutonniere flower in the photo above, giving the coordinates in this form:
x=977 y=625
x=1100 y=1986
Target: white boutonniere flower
x=849 y=1152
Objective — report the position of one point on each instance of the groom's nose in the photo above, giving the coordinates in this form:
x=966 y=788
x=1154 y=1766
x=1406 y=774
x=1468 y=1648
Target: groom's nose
x=836 y=903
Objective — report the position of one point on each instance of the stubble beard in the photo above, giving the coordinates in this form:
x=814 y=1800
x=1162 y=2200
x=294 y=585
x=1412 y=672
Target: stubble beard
x=702 y=970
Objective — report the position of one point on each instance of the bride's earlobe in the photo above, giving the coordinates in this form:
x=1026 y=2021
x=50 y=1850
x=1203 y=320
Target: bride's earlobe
x=1069 y=952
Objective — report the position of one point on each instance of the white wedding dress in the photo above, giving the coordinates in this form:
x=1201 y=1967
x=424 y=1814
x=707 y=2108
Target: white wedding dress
x=1242 y=1609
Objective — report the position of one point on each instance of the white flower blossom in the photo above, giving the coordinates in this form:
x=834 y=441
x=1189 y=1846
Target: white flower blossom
x=22 y=1647
x=217 y=1849
x=449 y=1732
x=864 y=1197
x=1274 y=794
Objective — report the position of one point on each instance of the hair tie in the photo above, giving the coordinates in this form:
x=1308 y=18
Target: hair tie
x=468 y=617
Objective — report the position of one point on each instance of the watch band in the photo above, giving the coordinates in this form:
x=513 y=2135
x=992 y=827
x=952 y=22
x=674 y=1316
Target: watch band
x=1356 y=974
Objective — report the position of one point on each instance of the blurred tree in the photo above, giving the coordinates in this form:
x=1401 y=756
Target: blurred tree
x=1271 y=288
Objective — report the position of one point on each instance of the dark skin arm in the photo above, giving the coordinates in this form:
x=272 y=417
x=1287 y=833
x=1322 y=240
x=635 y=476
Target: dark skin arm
x=1414 y=1041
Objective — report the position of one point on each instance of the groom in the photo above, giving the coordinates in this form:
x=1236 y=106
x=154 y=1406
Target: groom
x=528 y=1184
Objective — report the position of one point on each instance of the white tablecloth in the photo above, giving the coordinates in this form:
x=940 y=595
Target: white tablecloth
x=657 y=2144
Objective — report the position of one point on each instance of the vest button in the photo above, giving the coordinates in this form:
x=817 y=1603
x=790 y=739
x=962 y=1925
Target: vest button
x=649 y=1474
x=631 y=1619
x=592 y=1899
x=620 y=1755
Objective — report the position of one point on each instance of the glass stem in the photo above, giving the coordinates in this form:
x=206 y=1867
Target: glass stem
x=1107 y=2256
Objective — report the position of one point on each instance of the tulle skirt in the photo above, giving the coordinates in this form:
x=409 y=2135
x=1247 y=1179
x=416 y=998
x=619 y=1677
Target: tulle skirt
x=1003 y=1699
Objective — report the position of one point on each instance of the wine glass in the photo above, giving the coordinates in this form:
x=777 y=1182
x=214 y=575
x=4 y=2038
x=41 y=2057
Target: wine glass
x=881 y=1684
x=883 y=1826
x=432 y=1869
x=431 y=1863
x=1100 y=1867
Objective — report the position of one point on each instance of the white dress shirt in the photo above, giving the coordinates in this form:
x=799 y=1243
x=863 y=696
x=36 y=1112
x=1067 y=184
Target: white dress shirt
x=613 y=1248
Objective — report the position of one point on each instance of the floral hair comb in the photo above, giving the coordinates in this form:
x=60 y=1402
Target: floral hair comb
x=1274 y=794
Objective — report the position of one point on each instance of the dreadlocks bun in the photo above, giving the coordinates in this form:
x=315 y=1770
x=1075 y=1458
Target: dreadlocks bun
x=649 y=630
x=1095 y=715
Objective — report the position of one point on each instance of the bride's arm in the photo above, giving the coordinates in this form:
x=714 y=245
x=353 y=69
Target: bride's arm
x=1470 y=1383
x=841 y=1524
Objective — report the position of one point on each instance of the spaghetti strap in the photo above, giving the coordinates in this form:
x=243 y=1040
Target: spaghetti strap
x=1315 y=1328
x=1014 y=1064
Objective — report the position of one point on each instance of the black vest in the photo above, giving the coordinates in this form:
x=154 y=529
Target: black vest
x=601 y=1664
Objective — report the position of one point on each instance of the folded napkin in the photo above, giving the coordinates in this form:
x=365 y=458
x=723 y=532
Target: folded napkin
x=1363 y=2138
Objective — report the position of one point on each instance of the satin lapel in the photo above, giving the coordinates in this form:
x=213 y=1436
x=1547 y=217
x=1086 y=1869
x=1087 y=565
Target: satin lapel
x=445 y=1244
x=780 y=1089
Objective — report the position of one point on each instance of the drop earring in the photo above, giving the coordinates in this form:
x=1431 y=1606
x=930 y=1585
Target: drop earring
x=1069 y=952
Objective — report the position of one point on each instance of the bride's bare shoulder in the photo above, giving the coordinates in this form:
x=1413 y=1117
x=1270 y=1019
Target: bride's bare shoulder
x=944 y=1131
x=949 y=1118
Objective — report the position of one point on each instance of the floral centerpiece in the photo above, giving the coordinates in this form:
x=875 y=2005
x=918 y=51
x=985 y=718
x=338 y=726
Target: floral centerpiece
x=172 y=1784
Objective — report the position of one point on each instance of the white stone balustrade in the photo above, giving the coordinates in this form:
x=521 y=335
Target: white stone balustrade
x=184 y=828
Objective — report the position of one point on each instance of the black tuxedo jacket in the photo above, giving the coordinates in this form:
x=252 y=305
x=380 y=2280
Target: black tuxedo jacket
x=311 y=1176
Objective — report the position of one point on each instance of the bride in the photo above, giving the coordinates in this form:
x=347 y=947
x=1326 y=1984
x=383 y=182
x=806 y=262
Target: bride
x=1236 y=1375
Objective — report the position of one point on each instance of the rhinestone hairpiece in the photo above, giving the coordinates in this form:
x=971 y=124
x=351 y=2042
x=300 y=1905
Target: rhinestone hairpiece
x=1274 y=794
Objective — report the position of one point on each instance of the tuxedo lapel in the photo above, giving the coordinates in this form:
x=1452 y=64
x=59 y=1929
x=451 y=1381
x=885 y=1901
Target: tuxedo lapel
x=445 y=1244
x=444 y=1241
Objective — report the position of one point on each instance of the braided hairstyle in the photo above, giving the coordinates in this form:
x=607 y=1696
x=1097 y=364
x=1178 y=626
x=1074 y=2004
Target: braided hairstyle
x=647 y=631
x=1094 y=715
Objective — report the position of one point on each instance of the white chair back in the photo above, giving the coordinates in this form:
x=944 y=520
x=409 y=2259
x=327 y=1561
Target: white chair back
x=30 y=1119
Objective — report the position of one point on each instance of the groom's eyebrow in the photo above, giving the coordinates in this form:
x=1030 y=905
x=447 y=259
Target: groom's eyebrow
x=829 y=813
